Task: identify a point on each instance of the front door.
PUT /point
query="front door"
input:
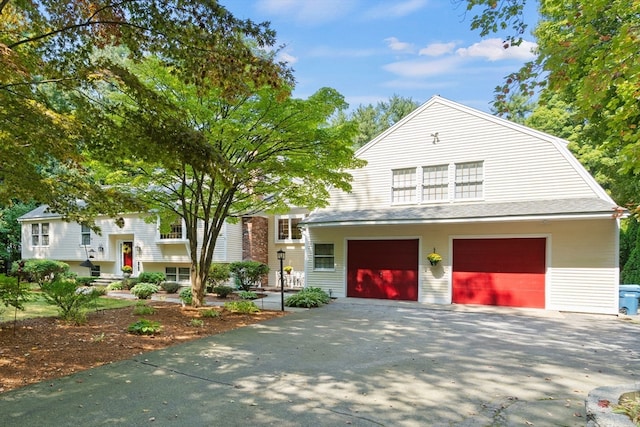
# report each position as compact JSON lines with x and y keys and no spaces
{"x":127,"y":254}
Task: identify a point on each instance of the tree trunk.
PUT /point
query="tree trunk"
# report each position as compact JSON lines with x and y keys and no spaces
{"x":197,"y":288}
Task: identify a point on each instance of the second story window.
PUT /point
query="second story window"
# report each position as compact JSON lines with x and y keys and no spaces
{"x":85,"y":235}
{"x":175,"y":232}
{"x":40,"y":234}
{"x":287,"y":228}
{"x":435,"y":183}
{"x":469,"y":180}
{"x":404,"y":186}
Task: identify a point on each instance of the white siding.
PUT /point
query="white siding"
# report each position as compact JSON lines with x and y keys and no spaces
{"x":582,"y":265}
{"x":519,"y":165}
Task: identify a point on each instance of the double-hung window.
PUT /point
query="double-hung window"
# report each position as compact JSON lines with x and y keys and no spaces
{"x":404,"y":185}
{"x":40,"y":234}
{"x":175,"y":232}
{"x":323,"y":256}
{"x":435,"y":183}
{"x":469,"y":180}
{"x":287,"y":228}
{"x":85,"y":235}
{"x":177,"y":274}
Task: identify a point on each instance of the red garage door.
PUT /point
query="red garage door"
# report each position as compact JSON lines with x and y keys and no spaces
{"x":384,"y":269}
{"x":507,"y":272}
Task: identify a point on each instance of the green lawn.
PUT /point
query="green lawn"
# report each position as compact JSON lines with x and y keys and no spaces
{"x":39,"y":308}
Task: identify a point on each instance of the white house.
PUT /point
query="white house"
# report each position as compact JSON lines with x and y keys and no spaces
{"x":140,"y":245}
{"x":516,"y":218}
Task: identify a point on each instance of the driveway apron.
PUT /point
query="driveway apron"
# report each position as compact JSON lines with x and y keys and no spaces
{"x":357,"y":363}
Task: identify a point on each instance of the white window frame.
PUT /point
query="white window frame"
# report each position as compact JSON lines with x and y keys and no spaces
{"x":179,"y":275}
{"x":183,"y":230}
{"x":438,"y":182}
{"x":464,"y":181}
{"x":324,"y":256}
{"x":290,"y":220}
{"x":404,"y":186}
{"x":85,"y":235}
{"x":40,"y":237}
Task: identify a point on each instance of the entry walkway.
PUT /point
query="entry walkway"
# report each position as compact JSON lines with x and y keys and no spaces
{"x":357,"y":364}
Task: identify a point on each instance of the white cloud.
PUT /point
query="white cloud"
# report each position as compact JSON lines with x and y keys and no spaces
{"x":398,"y":46}
{"x":307,"y":12}
{"x":493,"y":50}
{"x":437,"y":49}
{"x":287,"y":57}
{"x":421,"y":68}
{"x":394,"y":9}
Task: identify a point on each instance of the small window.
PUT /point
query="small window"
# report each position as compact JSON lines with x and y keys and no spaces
{"x":95,"y":271}
{"x":175,"y":231}
{"x":45,"y":234}
{"x":323,"y":258}
{"x":287,"y":228}
{"x":177,"y":274}
{"x":404,"y":185}
{"x":40,"y":234}
{"x":85,"y":235}
{"x":469,"y":180}
{"x":435,"y":183}
{"x":35,"y":234}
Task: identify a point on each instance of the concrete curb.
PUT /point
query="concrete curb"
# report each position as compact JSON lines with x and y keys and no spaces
{"x":599,"y":402}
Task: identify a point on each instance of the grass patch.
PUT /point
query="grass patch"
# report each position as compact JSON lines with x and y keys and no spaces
{"x":40,"y":308}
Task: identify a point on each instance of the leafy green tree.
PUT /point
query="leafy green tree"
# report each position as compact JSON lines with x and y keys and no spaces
{"x":372,"y":121}
{"x":587,"y":55}
{"x":11,"y":232}
{"x":247,"y":273}
{"x":187,"y":151}
{"x":47,"y":56}
{"x":14,"y":294}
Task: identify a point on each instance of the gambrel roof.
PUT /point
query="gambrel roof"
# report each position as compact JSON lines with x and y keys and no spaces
{"x":528,"y":174}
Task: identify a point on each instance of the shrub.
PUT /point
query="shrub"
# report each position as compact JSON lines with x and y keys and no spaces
{"x":71,"y":300}
{"x":114,"y":286}
{"x":142,"y":309}
{"x":100,"y":290}
{"x":197,"y":323}
{"x":170,"y":287}
{"x":244,"y":307}
{"x":85,"y":281}
{"x":222,"y":291}
{"x":186,"y":296}
{"x":155,"y":278}
{"x":40,"y":270}
{"x":14,"y":294}
{"x":210,"y":313}
{"x":248,"y":295}
{"x":308,"y":297}
{"x":144,"y":327}
{"x":219,"y":274}
{"x":247,"y":273}
{"x":144,"y":290}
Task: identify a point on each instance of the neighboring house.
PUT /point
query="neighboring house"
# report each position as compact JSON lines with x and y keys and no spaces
{"x":141,"y":246}
{"x":516,"y":218}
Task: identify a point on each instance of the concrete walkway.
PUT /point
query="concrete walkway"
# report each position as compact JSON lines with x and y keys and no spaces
{"x":357,"y":363}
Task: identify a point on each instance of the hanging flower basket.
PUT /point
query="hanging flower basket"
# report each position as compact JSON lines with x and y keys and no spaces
{"x":434,"y":258}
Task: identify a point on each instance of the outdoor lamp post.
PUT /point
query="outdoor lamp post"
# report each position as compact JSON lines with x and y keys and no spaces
{"x":281,"y":255}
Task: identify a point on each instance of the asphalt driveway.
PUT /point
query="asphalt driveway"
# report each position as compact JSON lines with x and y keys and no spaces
{"x":357,"y":363}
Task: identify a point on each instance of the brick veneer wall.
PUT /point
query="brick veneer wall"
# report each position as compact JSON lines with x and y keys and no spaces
{"x":255,"y":241}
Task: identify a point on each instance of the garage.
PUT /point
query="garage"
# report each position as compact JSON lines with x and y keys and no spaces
{"x":383,"y":269}
{"x":505,"y":272}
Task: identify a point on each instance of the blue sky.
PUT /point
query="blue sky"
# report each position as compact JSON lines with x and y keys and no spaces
{"x":370,"y":50}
